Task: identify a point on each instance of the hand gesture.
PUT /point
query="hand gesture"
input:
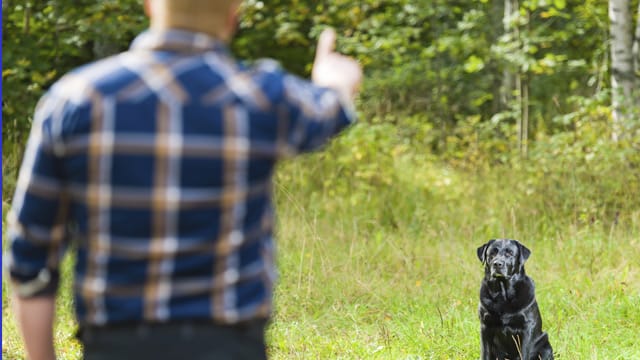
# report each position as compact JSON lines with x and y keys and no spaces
{"x":334,"y":70}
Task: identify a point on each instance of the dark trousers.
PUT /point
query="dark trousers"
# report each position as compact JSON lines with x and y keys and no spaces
{"x":193,"y":341}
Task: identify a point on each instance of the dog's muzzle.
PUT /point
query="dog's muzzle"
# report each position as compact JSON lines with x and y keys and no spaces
{"x":498,"y":269}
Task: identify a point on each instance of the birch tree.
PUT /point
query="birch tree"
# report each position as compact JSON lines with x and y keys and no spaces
{"x":623,"y":77}
{"x":515,"y":86}
{"x":636,"y":49}
{"x":509,"y":77}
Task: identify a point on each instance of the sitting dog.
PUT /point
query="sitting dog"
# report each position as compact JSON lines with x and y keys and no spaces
{"x":511,"y":326}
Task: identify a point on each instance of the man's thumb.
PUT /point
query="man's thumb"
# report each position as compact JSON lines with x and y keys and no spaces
{"x":326,"y":43}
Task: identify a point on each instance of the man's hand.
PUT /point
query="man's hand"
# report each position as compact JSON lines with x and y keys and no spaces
{"x":333,"y":70}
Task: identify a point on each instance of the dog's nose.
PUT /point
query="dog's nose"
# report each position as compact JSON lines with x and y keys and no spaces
{"x":498,"y":264}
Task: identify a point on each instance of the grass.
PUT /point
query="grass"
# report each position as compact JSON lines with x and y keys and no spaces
{"x":354,"y":293}
{"x":393,"y":273}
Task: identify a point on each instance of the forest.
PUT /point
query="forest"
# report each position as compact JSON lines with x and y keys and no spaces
{"x":477,"y":119}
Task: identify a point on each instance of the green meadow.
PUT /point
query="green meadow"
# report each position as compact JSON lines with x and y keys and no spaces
{"x":374,"y":270}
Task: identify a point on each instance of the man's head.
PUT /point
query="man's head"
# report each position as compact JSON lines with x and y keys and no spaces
{"x":217,"y":18}
{"x":503,"y":258}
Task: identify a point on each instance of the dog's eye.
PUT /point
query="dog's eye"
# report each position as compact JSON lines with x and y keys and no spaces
{"x":493,"y":251}
{"x":509,"y":252}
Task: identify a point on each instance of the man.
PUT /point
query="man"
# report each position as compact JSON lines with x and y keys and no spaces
{"x":160,"y":159}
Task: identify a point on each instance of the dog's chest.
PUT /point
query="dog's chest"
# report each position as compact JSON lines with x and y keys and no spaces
{"x":512,"y":323}
{"x":507,"y":322}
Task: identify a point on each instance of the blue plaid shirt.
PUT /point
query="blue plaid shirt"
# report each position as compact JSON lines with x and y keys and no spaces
{"x":158,"y":163}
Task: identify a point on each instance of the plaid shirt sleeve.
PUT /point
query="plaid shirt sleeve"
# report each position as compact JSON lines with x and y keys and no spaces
{"x":311,"y":115}
{"x":37,"y":221}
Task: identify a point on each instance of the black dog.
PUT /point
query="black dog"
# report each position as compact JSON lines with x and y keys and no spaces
{"x":511,"y":326}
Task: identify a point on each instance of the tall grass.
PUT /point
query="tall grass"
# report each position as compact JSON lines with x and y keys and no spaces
{"x":383,"y":265}
{"x":353,"y":287}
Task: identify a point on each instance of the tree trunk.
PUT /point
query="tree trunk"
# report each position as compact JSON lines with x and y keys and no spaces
{"x":27,"y":18}
{"x":524,"y":99}
{"x":622,"y":73}
{"x":495,"y":13}
{"x":508,"y":77}
{"x":636,"y":50}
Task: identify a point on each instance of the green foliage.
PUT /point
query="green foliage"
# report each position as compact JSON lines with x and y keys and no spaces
{"x":432,"y":91}
{"x":42,"y":40}
{"x":439,"y":61}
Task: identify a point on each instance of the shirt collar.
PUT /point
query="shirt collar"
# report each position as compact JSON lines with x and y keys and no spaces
{"x":177,"y":40}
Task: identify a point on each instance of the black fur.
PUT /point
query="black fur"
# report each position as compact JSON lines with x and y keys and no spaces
{"x":511,"y":326}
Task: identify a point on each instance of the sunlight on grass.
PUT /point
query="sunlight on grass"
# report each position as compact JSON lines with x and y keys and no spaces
{"x":356,"y":285}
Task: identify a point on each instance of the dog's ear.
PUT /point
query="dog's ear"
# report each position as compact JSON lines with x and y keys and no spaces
{"x":524,"y":253}
{"x":482,"y":251}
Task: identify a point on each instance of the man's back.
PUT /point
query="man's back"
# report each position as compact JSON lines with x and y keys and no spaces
{"x":165,"y":155}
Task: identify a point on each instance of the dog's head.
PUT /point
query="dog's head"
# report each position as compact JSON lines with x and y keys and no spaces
{"x":503,"y":258}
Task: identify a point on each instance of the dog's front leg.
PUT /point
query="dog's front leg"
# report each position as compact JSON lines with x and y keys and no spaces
{"x":526,"y":348}
{"x":486,"y":352}
{"x":542,"y":348}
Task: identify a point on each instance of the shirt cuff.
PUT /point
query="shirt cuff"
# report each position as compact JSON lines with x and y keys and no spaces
{"x":349,"y":109}
{"x":44,"y":283}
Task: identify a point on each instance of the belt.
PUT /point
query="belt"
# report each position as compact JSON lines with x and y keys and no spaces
{"x":185,"y":327}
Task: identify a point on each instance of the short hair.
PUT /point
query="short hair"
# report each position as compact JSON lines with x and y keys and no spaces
{"x":186,"y":6}
{"x":184,"y":12}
